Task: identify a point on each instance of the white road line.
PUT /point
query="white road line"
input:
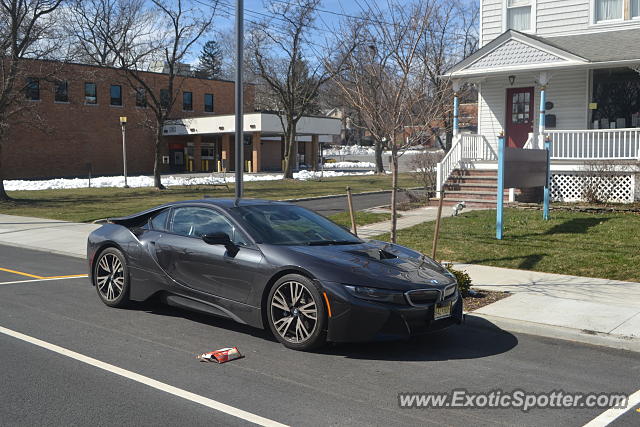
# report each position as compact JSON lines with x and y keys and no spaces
{"x":608,"y":416}
{"x":42,"y":280}
{"x":218,"y":406}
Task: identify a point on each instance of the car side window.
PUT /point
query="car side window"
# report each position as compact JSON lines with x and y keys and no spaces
{"x":159,"y":221}
{"x":192,"y":221}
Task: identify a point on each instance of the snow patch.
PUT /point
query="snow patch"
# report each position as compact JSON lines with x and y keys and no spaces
{"x":169,"y":181}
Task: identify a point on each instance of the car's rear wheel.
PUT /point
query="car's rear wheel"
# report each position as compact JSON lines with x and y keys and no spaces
{"x":296,"y":313}
{"x":111,"y":278}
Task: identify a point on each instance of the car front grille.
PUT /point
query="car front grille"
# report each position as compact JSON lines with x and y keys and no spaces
{"x":423,"y":296}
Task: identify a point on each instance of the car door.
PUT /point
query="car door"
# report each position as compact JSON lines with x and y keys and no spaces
{"x":213,"y":269}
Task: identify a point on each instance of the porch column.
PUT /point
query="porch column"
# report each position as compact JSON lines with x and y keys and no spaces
{"x":197,"y":153}
{"x":226,"y":154}
{"x":314,"y":152}
{"x":456,"y":107}
{"x":256,"y":158}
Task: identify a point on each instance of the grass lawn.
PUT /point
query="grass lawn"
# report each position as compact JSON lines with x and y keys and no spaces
{"x":604,"y":245}
{"x":362,"y":218}
{"x":88,"y":204}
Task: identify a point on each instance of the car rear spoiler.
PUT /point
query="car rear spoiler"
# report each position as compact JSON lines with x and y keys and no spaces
{"x":134,"y":220}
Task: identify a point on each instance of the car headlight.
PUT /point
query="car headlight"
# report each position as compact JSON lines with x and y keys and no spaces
{"x":376,"y":294}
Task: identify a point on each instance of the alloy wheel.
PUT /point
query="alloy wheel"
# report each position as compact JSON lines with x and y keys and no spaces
{"x":294,"y":312}
{"x":110,"y":277}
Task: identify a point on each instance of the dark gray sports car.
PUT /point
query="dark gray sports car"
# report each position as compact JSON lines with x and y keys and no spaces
{"x":274,"y":264}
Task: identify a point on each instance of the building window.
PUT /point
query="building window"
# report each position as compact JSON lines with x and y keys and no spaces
{"x":208,"y":103}
{"x":635,"y":8}
{"x":165,"y":98}
{"x":32,"y":89}
{"x":90,"y":94}
{"x":609,"y":10}
{"x":519,"y":15}
{"x":187,"y":101}
{"x":62,"y":91}
{"x":141,"y":97}
{"x":116,"y":95}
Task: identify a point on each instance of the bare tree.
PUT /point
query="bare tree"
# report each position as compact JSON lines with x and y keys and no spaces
{"x":387,"y":80}
{"x":179,"y":28}
{"x":291,"y":77}
{"x":99,"y":29}
{"x":25,"y":32}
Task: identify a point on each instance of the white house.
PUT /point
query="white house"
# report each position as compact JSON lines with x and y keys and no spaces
{"x":583,"y":58}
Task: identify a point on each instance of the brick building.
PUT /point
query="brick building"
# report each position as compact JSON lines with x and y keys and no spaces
{"x":71,"y":126}
{"x":71,"y":121}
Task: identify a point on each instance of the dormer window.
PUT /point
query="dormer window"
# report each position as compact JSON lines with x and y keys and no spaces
{"x":609,"y":10}
{"x":519,"y":15}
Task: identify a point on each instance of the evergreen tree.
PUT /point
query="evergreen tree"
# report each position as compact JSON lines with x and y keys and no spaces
{"x":210,"y":60}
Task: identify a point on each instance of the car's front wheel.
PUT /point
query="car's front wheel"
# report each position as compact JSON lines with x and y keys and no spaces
{"x":111,"y":278}
{"x":297,"y":316}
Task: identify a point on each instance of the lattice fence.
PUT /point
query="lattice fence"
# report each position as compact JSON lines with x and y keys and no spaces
{"x":568,"y":187}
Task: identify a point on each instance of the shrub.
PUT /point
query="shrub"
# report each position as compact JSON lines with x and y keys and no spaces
{"x":464,"y":280}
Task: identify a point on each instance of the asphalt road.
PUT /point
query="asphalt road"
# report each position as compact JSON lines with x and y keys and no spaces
{"x":334,"y":205}
{"x":342,"y":384}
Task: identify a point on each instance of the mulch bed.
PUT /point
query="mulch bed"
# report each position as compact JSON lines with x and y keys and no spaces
{"x":483,"y":298}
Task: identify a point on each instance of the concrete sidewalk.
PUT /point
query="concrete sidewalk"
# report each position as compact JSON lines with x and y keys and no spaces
{"x":407,"y":219}
{"x":587,"y":306}
{"x":597,"y":311}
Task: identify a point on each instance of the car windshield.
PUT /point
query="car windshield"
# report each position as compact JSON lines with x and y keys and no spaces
{"x":292,"y":225}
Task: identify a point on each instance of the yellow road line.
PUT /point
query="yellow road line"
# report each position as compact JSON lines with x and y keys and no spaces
{"x":21,"y":273}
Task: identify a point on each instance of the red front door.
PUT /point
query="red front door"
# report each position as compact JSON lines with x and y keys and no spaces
{"x":519,"y":116}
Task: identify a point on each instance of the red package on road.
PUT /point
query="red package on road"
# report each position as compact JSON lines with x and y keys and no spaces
{"x":221,"y":356}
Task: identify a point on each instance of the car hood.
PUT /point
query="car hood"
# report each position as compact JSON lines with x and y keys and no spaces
{"x":372,"y":263}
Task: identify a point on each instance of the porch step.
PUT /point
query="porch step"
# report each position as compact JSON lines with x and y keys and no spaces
{"x":474,"y":195}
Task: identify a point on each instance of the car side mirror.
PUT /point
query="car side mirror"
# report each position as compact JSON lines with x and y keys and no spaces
{"x":217,"y":239}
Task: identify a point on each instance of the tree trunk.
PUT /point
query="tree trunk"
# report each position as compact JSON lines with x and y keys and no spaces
{"x":157,"y":182}
{"x":378,"y":155}
{"x":290,"y":151}
{"x":394,"y":191}
{"x":3,"y":194}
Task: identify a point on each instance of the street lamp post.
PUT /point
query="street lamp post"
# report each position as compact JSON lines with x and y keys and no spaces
{"x":239,"y":98}
{"x":123,"y":124}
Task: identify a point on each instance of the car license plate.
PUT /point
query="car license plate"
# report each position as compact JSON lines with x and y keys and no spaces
{"x":441,"y":311}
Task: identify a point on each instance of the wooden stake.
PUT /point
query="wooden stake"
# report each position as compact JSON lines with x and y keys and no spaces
{"x":436,"y":232}
{"x":353,"y":218}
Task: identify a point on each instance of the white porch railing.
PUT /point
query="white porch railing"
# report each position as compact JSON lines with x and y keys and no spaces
{"x":465,"y":148}
{"x":603,"y":144}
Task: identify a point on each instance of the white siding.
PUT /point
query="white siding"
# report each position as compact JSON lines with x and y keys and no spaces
{"x":567,"y":90}
{"x":491,"y":20}
{"x":562,"y":16}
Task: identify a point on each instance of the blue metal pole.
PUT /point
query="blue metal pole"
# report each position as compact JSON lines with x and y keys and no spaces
{"x":500,"y":195}
{"x":456,"y":111}
{"x":547,"y":188}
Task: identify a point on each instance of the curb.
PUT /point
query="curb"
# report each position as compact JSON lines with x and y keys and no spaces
{"x":551,"y":331}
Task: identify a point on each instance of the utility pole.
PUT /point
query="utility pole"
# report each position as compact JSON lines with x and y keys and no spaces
{"x":123,"y":124}
{"x":239,"y":157}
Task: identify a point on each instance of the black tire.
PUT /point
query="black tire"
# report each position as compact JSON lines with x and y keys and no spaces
{"x":109,"y":289}
{"x":300,"y":313}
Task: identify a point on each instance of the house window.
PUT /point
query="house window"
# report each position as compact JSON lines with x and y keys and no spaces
{"x":90,"y":94}
{"x":519,"y":15}
{"x":62,"y":91}
{"x":609,"y":10}
{"x":187,"y":101}
{"x":165,"y":98}
{"x":208,"y":103}
{"x":635,"y":8}
{"x":32,"y":89}
{"x":116,"y":94}
{"x":141,"y":97}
